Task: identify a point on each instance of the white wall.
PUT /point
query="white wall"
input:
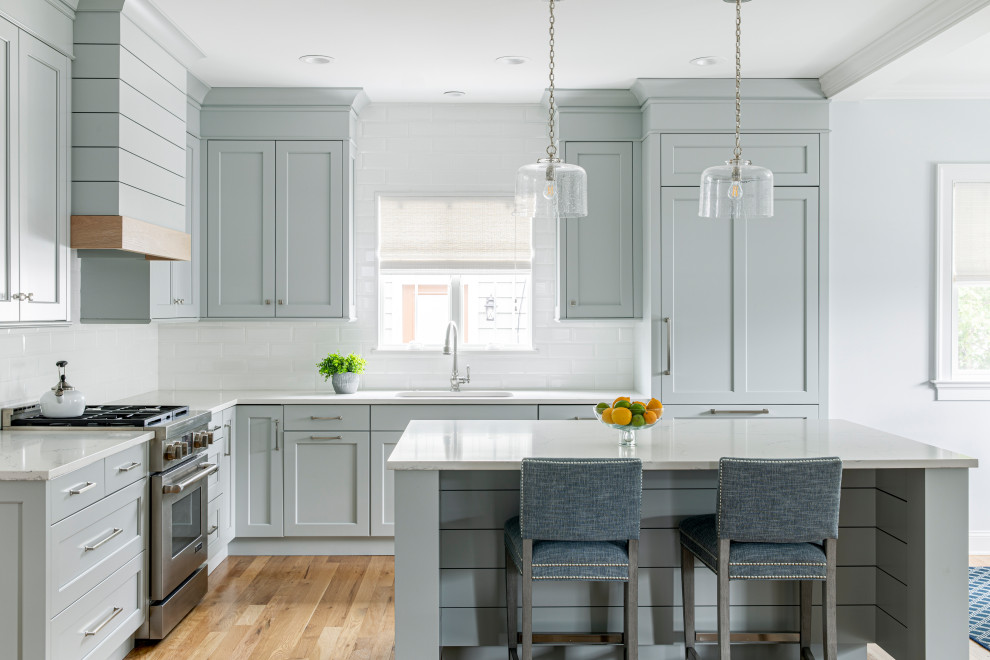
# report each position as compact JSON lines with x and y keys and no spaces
{"x":414,"y":148}
{"x":882,"y":282}
{"x":106,"y":362}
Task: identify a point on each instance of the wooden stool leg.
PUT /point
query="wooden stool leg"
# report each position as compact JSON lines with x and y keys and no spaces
{"x":631,"y":609}
{"x":806,"y":592}
{"x":511,"y":599}
{"x":687,"y":601}
{"x":527,"y":600}
{"x":724,"y":639}
{"x":830,"y":640}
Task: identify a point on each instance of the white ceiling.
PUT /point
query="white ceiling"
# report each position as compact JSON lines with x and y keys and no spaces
{"x":413,"y":50}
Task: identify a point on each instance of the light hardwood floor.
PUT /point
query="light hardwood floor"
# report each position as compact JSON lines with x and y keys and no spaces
{"x":327,"y":608}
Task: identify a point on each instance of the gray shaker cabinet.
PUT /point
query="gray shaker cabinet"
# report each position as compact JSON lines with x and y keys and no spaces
{"x":240,"y":260}
{"x":34,"y":89}
{"x":258,"y":469}
{"x":739,"y":303}
{"x":597,"y":264}
{"x":278,"y":229}
{"x":326,"y":483}
{"x":175,"y":284}
{"x":383,"y":483}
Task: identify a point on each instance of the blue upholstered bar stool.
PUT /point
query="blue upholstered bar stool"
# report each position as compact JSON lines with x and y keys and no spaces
{"x":578,"y":520}
{"x":777,"y":519}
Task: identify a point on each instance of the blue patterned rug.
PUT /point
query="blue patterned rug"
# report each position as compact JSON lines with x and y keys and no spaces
{"x":979,"y":605}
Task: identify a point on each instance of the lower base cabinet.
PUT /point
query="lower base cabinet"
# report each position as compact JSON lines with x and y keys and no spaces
{"x":382,"y":483}
{"x":326,"y":483}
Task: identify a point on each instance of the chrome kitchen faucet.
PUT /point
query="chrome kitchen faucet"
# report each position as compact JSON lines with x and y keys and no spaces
{"x":455,"y":379}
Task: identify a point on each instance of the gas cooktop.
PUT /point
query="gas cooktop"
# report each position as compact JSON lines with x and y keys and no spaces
{"x":132,"y":416}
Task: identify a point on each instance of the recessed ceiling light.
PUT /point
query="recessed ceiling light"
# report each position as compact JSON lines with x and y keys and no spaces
{"x":316,"y":59}
{"x":453,"y":93}
{"x":512,"y":60}
{"x":709,"y":60}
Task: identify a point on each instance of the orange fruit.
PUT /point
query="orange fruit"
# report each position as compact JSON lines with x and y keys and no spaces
{"x":650,"y":416}
{"x":621,"y":416}
{"x":654,"y":404}
{"x":607,"y":415}
{"x":621,"y":398}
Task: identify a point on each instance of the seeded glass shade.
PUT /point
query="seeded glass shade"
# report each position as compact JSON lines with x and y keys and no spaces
{"x":564,"y":195}
{"x":733,"y":191}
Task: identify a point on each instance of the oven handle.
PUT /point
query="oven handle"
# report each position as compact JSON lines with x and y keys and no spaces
{"x":205,"y":470}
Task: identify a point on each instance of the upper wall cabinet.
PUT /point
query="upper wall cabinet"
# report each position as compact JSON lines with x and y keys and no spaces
{"x":278,"y":229}
{"x":33,"y":132}
{"x":793,"y":158}
{"x":599,"y":255}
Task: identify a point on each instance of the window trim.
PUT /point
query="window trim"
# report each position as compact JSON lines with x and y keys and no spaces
{"x":948,"y":385}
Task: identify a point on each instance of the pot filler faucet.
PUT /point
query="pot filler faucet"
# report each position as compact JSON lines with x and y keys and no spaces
{"x":450,"y":348}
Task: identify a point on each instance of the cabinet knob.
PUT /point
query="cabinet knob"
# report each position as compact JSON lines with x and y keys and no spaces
{"x":268,"y":301}
{"x":280,"y":302}
{"x":573,"y":303}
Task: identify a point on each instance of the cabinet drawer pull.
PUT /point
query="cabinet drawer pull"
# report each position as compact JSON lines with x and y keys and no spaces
{"x":763,"y":411}
{"x":276,"y":434}
{"x":670,"y":348}
{"x":216,"y":428}
{"x":584,"y":419}
{"x":326,"y":419}
{"x":127,"y":468}
{"x":226,"y":437}
{"x":325,"y":437}
{"x":97,"y":629}
{"x":212,"y":529}
{"x":78,"y":491}
{"x":114,"y":534}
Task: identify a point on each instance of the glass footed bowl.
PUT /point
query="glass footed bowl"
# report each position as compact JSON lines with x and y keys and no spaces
{"x":628,"y":436}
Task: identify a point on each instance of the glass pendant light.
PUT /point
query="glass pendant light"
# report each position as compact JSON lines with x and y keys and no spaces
{"x":550,"y":188}
{"x":738,"y":188}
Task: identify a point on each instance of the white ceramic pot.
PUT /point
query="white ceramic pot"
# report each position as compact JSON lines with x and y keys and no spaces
{"x":346,"y":383}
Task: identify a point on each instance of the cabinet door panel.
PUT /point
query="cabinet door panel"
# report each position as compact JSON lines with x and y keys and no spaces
{"x":326,"y":483}
{"x":382,"y":483}
{"x":241,"y":232}
{"x":9,"y":263}
{"x":782,"y":298}
{"x":697,"y":297}
{"x":259,"y":471}
{"x":309,"y":225}
{"x":597,"y":278}
{"x":43,"y":132}
{"x":184,"y":274}
{"x":227,"y":463}
{"x":794,"y":159}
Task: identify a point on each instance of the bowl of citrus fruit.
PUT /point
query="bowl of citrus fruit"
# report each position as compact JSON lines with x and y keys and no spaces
{"x":629,"y":416}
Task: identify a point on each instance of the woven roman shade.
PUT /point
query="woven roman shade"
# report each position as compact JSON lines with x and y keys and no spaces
{"x":452,"y":233}
{"x":971,"y":231}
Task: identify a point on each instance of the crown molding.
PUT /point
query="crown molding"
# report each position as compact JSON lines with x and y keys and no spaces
{"x":648,"y":90}
{"x":936,"y":30}
{"x":948,"y":92}
{"x":352,"y":98}
{"x":153,"y":22}
{"x":196,"y":89}
{"x":593,"y":98}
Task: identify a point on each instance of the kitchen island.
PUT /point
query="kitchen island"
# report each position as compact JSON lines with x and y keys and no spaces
{"x":902,"y":578}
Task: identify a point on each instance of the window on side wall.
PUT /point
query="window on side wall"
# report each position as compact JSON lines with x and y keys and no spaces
{"x":963,"y":325}
{"x":465,"y":259}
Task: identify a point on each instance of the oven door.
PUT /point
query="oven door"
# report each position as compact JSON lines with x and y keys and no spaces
{"x":179,"y":500}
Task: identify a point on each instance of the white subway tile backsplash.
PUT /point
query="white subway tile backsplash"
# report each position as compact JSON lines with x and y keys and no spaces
{"x":412,"y":148}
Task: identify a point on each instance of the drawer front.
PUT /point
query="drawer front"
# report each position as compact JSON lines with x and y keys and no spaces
{"x":396,"y":417}
{"x":102,"y":619}
{"x":216,"y":480}
{"x":90,"y":545}
{"x":327,"y":418}
{"x":793,"y":158}
{"x":737,"y":411}
{"x":77,"y":490}
{"x":126,"y":467}
{"x":571,"y":411}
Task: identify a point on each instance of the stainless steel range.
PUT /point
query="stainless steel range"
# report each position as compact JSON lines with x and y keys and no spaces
{"x":179,"y":497}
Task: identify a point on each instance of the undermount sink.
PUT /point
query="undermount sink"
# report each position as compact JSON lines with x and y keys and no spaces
{"x":443,"y":394}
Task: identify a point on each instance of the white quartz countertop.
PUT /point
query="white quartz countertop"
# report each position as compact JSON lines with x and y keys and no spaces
{"x":38,"y":455}
{"x":674,"y":444}
{"x":217,"y":400}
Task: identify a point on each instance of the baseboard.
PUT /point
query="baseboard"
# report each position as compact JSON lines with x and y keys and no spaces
{"x":312,"y":546}
{"x":979,"y":543}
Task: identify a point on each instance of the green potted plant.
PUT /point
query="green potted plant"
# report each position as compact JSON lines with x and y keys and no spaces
{"x":343,"y":371}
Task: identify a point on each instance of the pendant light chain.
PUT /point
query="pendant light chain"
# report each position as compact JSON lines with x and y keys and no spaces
{"x":552,"y":148}
{"x":737,"y":152}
